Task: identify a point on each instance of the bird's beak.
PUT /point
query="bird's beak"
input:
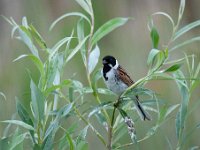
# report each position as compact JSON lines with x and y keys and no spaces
{"x":104,"y":62}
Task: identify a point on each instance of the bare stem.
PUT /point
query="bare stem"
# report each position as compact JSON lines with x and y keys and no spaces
{"x":110,"y":129}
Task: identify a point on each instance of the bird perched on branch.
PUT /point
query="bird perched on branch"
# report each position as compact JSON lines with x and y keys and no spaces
{"x":117,"y":80}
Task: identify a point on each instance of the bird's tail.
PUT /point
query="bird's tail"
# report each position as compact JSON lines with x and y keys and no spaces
{"x":142,"y":113}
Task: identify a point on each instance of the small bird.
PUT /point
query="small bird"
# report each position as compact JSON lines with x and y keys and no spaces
{"x":117,"y":80}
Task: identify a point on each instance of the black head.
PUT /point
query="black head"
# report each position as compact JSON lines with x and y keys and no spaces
{"x":109,"y":60}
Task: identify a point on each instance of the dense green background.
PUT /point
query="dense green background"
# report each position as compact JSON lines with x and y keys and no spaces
{"x":130,"y":44}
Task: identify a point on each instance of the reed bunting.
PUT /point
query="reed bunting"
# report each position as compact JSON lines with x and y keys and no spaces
{"x":117,"y":80}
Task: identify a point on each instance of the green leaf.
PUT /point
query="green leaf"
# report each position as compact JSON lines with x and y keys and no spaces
{"x":167,"y":16}
{"x":57,"y":46}
{"x":80,"y":33}
{"x":76,"y":49}
{"x":85,"y":6}
{"x":95,"y":77}
{"x":173,"y":68}
{"x":160,"y":58}
{"x":59,"y":86}
{"x":38,"y":100}
{"x":152,"y":56}
{"x":7,"y":19}
{"x":70,"y":141}
{"x":36,"y":61}
{"x":171,"y":109}
{"x":181,"y":9}
{"x":123,"y":113}
{"x":13,"y":142}
{"x":82,"y":146}
{"x":82,"y":136}
{"x":105,"y":91}
{"x":64,"y":111}
{"x":52,"y":67}
{"x":25,"y":22}
{"x":19,"y":123}
{"x":25,"y":36}
{"x":107,"y":28}
{"x":3,"y":95}
{"x":98,"y":108}
{"x":22,"y":112}
{"x":185,"y":43}
{"x":186,"y":29}
{"x":24,"y":115}
{"x":67,"y":15}
{"x":181,"y":115}
{"x":101,"y":119}
{"x":154,"y":37}
{"x":38,"y":38}
{"x":93,"y":59}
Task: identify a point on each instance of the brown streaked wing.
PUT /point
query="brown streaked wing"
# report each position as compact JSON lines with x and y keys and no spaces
{"x":124,"y":76}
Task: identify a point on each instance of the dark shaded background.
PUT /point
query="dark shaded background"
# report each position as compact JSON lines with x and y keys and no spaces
{"x":130,"y":44}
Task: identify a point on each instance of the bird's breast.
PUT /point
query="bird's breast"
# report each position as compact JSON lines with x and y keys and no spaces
{"x":114,"y":83}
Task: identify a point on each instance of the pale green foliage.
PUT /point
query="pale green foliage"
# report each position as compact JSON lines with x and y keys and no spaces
{"x":42,"y":117}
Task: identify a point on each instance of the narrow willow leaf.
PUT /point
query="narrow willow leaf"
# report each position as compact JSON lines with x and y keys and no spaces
{"x":181,"y":115}
{"x":152,"y":56}
{"x":80,"y":33}
{"x":93,"y":59}
{"x":52,"y":128}
{"x":14,"y":29}
{"x":25,"y":36}
{"x":36,"y":61}
{"x":19,"y":123}
{"x":171,"y":109}
{"x":160,"y":58}
{"x":7,"y":19}
{"x":197,"y":70}
{"x":56,"y":47}
{"x":167,"y":16}
{"x":185,"y":43}
{"x":3,"y":95}
{"x":181,"y":9}
{"x":173,"y":68}
{"x":22,"y":112}
{"x":13,"y":142}
{"x":107,"y":28}
{"x":70,"y":141}
{"x":25,"y":22}
{"x":105,"y":91}
{"x":67,"y":15}
{"x":51,"y":69}
{"x":64,"y":111}
{"x":186,"y":29}
{"x":101,"y":106}
{"x":178,"y":125}
{"x":38,"y":100}
{"x":85,"y":6}
{"x":76,"y":49}
{"x":55,"y":87}
{"x":101,"y":119}
{"x":17,"y":140}
{"x":123,"y":113}
{"x":82,"y":136}
{"x":154,"y":37}
{"x":83,"y":145}
{"x":152,"y":131}
{"x":37,"y":37}
{"x":95,"y":77}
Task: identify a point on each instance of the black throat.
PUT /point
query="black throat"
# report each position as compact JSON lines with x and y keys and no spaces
{"x":106,"y":68}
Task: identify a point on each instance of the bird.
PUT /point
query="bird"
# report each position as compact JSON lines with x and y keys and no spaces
{"x":117,"y":80}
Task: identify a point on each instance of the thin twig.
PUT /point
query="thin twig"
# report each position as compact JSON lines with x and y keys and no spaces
{"x":110,"y":129}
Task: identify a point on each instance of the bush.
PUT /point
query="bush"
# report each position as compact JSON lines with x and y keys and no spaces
{"x":54,"y":99}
